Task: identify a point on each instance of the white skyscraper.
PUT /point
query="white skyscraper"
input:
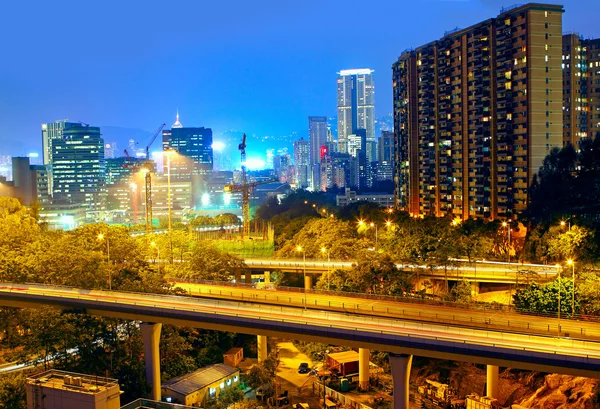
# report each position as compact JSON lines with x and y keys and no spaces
{"x":356,"y":108}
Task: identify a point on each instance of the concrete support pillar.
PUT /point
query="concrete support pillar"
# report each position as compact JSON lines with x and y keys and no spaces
{"x":491,"y":389}
{"x":474,"y":289}
{"x":401,"y":364}
{"x":307,"y":282}
{"x":267,"y":277}
{"x":363,"y":369}
{"x":151,"y":338}
{"x":248,"y":276}
{"x":262,"y":348}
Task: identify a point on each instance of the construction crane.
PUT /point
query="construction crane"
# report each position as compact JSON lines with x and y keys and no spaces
{"x":148,"y":168}
{"x":245,"y":188}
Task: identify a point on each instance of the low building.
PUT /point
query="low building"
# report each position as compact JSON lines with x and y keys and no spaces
{"x":63,"y":216}
{"x":198,"y":387}
{"x":345,"y":363}
{"x":57,"y":389}
{"x":233,"y":357}
{"x":382,"y":199}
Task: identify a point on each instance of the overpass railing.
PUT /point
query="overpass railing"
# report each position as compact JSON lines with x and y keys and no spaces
{"x":510,"y":319}
{"x":381,"y":330}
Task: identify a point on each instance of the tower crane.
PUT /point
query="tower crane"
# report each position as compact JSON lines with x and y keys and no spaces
{"x":148,"y":168}
{"x":245,"y":188}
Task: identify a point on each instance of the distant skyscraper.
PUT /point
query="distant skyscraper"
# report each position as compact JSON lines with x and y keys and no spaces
{"x":386,"y":147}
{"x":194,"y":146}
{"x":301,"y":163}
{"x":317,"y":137}
{"x":270,"y":156}
{"x":356,"y":108}
{"x":74,"y":153}
{"x":110,"y":149}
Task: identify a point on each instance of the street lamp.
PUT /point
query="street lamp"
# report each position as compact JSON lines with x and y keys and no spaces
{"x":558,"y":269}
{"x":323,"y":251}
{"x":507,"y":225}
{"x":101,"y":237}
{"x":572,"y":264}
{"x":299,"y":248}
{"x":374,"y":225}
{"x":153,"y":244}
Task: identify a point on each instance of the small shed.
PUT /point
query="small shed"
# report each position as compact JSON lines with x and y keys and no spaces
{"x":233,"y":357}
{"x":201,"y":385}
{"x":346,"y":362}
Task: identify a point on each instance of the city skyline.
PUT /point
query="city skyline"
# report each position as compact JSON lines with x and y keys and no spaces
{"x":104,"y":86}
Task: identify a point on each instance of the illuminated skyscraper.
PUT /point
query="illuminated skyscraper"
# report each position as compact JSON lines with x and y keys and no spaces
{"x":74,"y":154}
{"x":194,"y":146}
{"x":356,"y":108}
{"x":317,"y":137}
{"x":301,"y":163}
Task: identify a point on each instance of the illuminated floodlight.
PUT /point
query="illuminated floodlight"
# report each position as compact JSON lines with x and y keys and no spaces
{"x":227,"y":199}
{"x":254,"y":164}
{"x":33,"y":155}
{"x":218,"y":146}
{"x":205,"y":199}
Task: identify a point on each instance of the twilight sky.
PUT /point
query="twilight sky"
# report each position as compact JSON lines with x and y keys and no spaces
{"x":256,"y":66}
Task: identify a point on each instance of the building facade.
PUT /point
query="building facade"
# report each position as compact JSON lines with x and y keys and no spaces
{"x":317,"y":137}
{"x":581,"y":88}
{"x":75,"y":164}
{"x":476,"y":112}
{"x":302,"y":163}
{"x":193,"y":147}
{"x":356,"y":108}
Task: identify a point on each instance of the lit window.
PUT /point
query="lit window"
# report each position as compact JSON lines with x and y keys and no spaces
{"x":546,"y":47}
{"x":545,"y":14}
{"x":222,"y":385}
{"x":546,"y":58}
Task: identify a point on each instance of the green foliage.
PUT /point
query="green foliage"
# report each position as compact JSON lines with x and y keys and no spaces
{"x":461,"y":292}
{"x":375,"y":274}
{"x":12,"y":391}
{"x":206,"y":262}
{"x":544,"y":298}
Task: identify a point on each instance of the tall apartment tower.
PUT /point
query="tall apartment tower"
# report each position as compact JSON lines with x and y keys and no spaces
{"x":356,"y":108}
{"x":476,"y":112}
{"x":301,"y":163}
{"x":74,"y":155}
{"x":581,"y":92}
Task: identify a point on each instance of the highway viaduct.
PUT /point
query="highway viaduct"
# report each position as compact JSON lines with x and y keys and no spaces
{"x":475,"y":272}
{"x":403,"y":338}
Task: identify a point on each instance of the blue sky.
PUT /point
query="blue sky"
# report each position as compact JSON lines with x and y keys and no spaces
{"x":258,"y":66}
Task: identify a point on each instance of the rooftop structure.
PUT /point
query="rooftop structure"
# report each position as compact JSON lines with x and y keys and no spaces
{"x":67,"y":390}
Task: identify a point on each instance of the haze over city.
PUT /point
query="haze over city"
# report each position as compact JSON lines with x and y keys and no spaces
{"x":255,"y":67}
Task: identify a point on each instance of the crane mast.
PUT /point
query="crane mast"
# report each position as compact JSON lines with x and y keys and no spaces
{"x":148,"y":168}
{"x":245,"y":188}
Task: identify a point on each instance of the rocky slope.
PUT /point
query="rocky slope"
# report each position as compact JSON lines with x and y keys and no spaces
{"x":563,"y":392}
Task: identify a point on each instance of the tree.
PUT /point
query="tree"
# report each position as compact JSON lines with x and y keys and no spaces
{"x":206,"y":262}
{"x":12,"y":391}
{"x":544,"y":298}
{"x":569,"y":244}
{"x":461,"y":292}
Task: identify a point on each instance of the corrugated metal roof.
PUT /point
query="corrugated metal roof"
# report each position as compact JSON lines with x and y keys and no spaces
{"x":192,"y":382}
{"x":344,"y":357}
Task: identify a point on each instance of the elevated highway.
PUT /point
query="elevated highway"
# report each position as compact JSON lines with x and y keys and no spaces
{"x":479,"y":271}
{"x":395,"y":334}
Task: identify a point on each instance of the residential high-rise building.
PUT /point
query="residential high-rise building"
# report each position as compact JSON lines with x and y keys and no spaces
{"x":384,"y":168}
{"x":476,"y":112}
{"x":301,"y":163}
{"x":193,"y":147}
{"x":581,"y":93}
{"x":110,"y":150}
{"x":74,"y":154}
{"x":356,"y":108}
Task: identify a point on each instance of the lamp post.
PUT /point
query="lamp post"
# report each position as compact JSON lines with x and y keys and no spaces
{"x":323,"y":251}
{"x":558,"y":269}
{"x":101,"y":237}
{"x":572,"y":264}
{"x":299,"y":248}
{"x":507,"y":225}
{"x":153,"y":244}
{"x":374,"y":225}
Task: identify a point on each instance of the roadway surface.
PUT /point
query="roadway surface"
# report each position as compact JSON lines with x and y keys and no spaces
{"x":487,"y":272}
{"x":429,"y":339}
